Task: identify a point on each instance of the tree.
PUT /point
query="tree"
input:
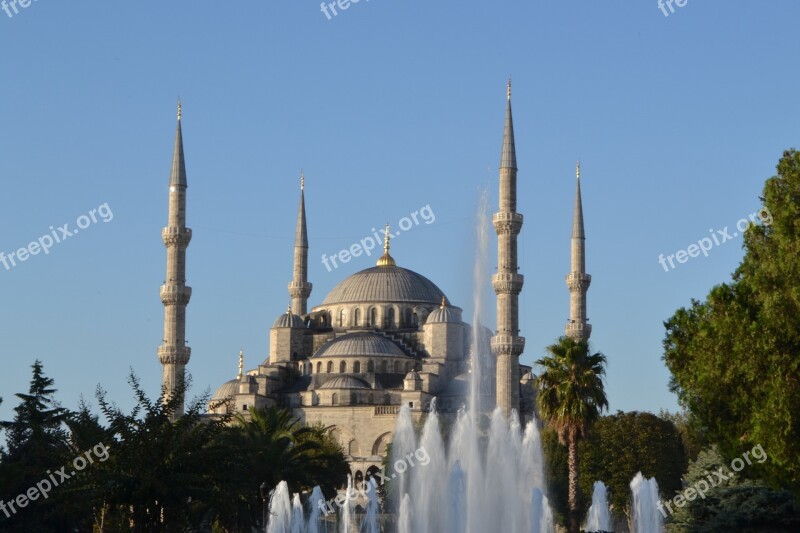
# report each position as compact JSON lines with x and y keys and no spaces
{"x":620,"y":445}
{"x":36,"y":442}
{"x":737,"y":505}
{"x":570,"y":399}
{"x":734,"y":357}
{"x":270,"y":446}
{"x":159,"y":473}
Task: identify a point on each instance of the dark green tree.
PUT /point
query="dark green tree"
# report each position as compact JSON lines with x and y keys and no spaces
{"x":269,"y":446}
{"x":734,"y":357}
{"x":36,"y":442}
{"x":620,"y":445}
{"x":570,"y":399}
{"x":737,"y":504}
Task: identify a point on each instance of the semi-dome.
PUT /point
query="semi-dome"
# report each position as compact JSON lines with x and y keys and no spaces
{"x":345,"y":382}
{"x":229,"y":389}
{"x":288,"y":320}
{"x":361,"y":344}
{"x":444,"y":314}
{"x":387,"y":283}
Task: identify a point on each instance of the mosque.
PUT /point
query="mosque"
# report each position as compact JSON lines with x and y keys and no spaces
{"x":382,"y":338}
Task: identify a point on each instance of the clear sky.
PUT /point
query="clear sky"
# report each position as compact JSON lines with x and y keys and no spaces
{"x":388,"y":107}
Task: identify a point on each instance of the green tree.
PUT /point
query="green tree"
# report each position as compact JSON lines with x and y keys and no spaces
{"x":737,"y":504}
{"x":159,"y":473}
{"x":620,"y":445}
{"x":570,"y":399}
{"x":36,"y":442}
{"x":734,"y":357}
{"x":269,"y":446}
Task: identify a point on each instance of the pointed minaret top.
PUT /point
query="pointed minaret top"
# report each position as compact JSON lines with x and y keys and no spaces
{"x":577,"y":216}
{"x":508,"y":159}
{"x":386,"y":259}
{"x":177,"y":176}
{"x":301,"y":233}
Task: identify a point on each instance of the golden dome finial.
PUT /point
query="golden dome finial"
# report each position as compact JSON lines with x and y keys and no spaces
{"x":578,"y":169}
{"x":386,"y":259}
{"x":179,"y":108}
{"x":241,"y":364}
{"x":444,"y":302}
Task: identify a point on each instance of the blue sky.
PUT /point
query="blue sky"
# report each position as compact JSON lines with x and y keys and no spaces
{"x":387,"y":107}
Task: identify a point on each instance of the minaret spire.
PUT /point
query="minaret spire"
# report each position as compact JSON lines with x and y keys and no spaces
{"x":578,"y":280}
{"x":173,"y":352}
{"x":299,"y":287}
{"x":506,"y":344}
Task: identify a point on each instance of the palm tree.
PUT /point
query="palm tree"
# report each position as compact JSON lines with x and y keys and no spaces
{"x":570,"y":397}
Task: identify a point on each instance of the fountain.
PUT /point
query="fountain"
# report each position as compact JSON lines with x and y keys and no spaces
{"x":477,"y":482}
{"x":646,"y":518}
{"x":598,"y":518}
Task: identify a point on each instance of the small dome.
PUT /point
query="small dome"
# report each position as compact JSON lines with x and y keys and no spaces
{"x":345,"y":382}
{"x":413,"y":375}
{"x":289,"y":320}
{"x":361,"y":344}
{"x":229,"y":389}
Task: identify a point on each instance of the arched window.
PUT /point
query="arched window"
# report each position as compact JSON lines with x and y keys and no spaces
{"x":357,"y":367}
{"x":330,"y":367}
{"x":319,"y":368}
{"x":414,"y":318}
{"x":370,"y":366}
{"x":407,"y":316}
{"x":387,"y":399}
{"x":356,"y":317}
{"x":373,"y":317}
{"x":383,"y":367}
{"x":353,"y":398}
{"x":408,"y":368}
{"x":334,"y":399}
{"x":370,"y":399}
{"x":342,"y":367}
{"x":310,"y":368}
{"x":342,"y":318}
{"x":397,"y":367}
{"x":390,"y":318}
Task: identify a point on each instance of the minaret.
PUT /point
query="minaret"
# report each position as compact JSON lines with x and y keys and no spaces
{"x":173,"y":353}
{"x":506,"y":344}
{"x":578,"y":280}
{"x":299,"y":287}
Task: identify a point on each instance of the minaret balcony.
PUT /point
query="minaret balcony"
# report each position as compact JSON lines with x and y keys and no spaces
{"x":507,"y":223}
{"x":578,"y":281}
{"x":579,"y":330}
{"x":173,"y":354}
{"x":507,"y":345}
{"x":176,"y":235}
{"x":299,"y":289}
{"x":507,"y":283}
{"x":175,"y":294}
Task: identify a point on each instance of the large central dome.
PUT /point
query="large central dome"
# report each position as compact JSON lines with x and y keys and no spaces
{"x":389,"y":283}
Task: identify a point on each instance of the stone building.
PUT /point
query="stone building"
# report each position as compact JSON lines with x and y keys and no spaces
{"x":382,"y":338}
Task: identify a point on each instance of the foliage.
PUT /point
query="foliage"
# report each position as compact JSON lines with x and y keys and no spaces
{"x":570,"y":397}
{"x":734,"y":357}
{"x":737,"y":504}
{"x":623,"y":444}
